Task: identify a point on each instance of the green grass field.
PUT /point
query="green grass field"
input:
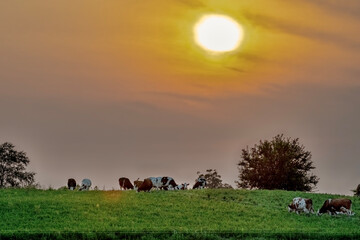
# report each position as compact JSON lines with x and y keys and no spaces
{"x":191,"y":214}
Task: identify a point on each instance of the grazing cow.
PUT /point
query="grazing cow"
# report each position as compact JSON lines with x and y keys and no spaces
{"x":137,"y":183}
{"x":85,"y":184}
{"x":299,"y":204}
{"x":145,"y":186}
{"x":166,"y":183}
{"x":336,"y":206}
{"x":125,"y":184}
{"x":182,"y":186}
{"x":200,"y":183}
{"x":71,"y":184}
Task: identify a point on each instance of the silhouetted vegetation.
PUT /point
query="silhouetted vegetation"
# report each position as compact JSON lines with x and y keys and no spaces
{"x":357,"y":191}
{"x":281,"y":163}
{"x":12,"y":167}
{"x":213,"y":179}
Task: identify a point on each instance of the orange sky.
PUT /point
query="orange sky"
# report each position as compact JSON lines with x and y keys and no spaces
{"x":126,"y":77}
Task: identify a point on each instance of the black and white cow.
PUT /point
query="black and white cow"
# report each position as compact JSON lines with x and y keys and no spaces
{"x":299,"y":204}
{"x":125,"y":183}
{"x":165,"y":183}
{"x":85,"y":184}
{"x":200,"y":183}
{"x":71,"y":184}
{"x":182,"y":186}
{"x":336,"y":206}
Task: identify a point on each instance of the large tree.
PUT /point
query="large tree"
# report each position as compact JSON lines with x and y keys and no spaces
{"x":281,"y":163}
{"x":12,"y":167}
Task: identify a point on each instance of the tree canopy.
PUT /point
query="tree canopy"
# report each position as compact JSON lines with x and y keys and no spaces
{"x":281,"y":163}
{"x":12,"y":167}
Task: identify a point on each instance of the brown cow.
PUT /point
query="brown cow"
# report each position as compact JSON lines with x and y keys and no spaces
{"x":137,"y":183}
{"x":71,"y":183}
{"x":336,"y":206}
{"x":125,"y":184}
{"x":145,"y":186}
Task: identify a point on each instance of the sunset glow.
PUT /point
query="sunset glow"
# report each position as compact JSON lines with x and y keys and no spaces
{"x":218,"y":33}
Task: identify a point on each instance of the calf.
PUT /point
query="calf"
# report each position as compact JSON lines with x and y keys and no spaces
{"x":182,"y":186}
{"x":299,"y":204}
{"x":125,"y":184}
{"x":165,"y":183}
{"x":137,"y":183}
{"x":200,"y":183}
{"x":85,"y":184}
{"x":336,"y":206}
{"x":71,"y":183}
{"x":145,"y":186}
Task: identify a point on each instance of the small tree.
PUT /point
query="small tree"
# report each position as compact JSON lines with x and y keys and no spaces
{"x":213,"y":179}
{"x":281,"y":163}
{"x":12,"y":167}
{"x":357,"y":191}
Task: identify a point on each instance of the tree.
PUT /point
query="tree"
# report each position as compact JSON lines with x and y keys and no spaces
{"x":213,"y":179}
{"x":357,"y":191}
{"x":281,"y":163}
{"x":12,"y":167}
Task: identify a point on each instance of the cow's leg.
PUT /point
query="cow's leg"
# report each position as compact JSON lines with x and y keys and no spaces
{"x":312,"y":210}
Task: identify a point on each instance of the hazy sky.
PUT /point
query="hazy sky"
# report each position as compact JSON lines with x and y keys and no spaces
{"x":105,"y":89}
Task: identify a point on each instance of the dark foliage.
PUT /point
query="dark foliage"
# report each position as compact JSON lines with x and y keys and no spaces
{"x":281,"y":163}
{"x":357,"y":191}
{"x":213,"y":179}
{"x":12,"y":167}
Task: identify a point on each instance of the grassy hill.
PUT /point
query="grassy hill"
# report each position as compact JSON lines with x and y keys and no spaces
{"x":191,"y":214}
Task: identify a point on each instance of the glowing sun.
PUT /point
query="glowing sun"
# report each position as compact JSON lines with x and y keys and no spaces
{"x":218,"y":33}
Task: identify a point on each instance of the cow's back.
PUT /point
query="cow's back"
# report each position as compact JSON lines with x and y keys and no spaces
{"x":146,"y":185}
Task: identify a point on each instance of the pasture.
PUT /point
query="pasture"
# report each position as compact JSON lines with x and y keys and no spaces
{"x":191,"y":214}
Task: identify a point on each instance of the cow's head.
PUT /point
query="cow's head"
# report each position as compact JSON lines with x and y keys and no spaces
{"x":325,"y":207}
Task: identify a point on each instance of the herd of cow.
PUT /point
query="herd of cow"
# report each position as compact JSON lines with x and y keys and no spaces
{"x":160,"y":183}
{"x":298,"y":205}
{"x":330,"y":206}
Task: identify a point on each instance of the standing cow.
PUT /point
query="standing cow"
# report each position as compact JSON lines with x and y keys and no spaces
{"x":71,"y":184}
{"x":200,"y":183}
{"x":336,"y":206}
{"x":85,"y":184}
{"x":146,"y":185}
{"x":299,"y":204}
{"x":125,"y":184}
{"x":165,"y":183}
{"x":137,"y":184}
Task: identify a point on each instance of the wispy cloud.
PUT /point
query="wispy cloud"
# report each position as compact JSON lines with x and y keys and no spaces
{"x":277,"y":24}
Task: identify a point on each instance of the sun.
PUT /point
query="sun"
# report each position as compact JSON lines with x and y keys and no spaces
{"x":218,"y":33}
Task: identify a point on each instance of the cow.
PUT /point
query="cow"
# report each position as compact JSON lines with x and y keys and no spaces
{"x":200,"y":183}
{"x":336,"y":206}
{"x":125,"y":183}
{"x":71,"y":184}
{"x":85,"y":184}
{"x":137,"y":183}
{"x":146,"y":185}
{"x":165,"y":183}
{"x":299,"y":204}
{"x":182,"y":186}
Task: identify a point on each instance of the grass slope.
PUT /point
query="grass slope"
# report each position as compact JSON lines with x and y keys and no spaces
{"x":192,"y":214}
